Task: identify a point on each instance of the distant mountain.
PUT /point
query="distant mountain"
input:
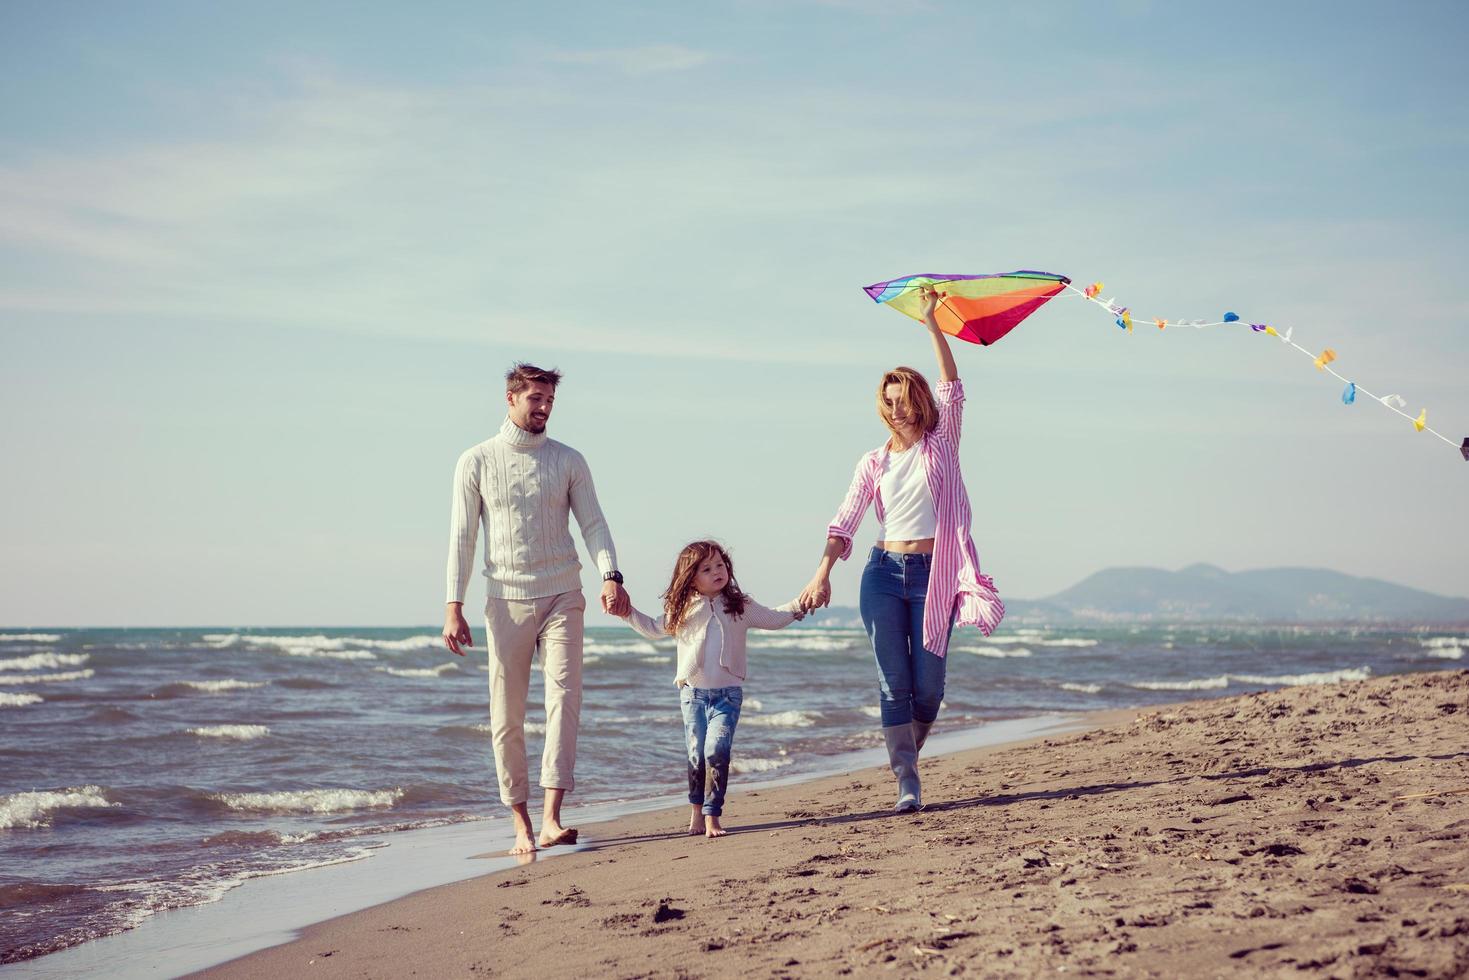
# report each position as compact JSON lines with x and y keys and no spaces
{"x":1210,"y":594}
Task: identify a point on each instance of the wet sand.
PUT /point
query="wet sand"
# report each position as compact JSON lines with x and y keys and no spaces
{"x":1307,"y":832}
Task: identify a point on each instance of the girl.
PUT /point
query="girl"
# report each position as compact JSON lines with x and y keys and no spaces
{"x":923,"y":576}
{"x":709,"y":615}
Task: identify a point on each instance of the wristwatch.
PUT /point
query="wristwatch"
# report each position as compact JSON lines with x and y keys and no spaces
{"x":613,"y":576}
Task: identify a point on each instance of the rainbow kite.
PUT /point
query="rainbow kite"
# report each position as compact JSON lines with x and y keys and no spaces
{"x":979,"y":309}
{"x":982,"y":309}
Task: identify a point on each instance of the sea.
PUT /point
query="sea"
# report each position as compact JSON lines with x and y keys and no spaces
{"x":146,"y":770}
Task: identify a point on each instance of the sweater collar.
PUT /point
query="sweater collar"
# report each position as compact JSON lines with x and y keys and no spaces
{"x":519,"y":438}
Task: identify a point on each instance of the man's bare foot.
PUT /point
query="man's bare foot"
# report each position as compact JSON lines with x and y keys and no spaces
{"x":696,"y":823}
{"x":712,"y":828}
{"x":524,"y":835}
{"x":553,"y":834}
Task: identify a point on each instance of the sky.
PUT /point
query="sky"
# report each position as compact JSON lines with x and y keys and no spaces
{"x":263,"y":267}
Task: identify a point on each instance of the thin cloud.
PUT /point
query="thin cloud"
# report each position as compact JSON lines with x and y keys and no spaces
{"x":648,"y":60}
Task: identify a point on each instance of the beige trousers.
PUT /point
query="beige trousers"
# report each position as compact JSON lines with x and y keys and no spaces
{"x":515,"y":629}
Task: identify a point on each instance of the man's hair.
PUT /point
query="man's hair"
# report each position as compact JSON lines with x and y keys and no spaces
{"x":523,"y":375}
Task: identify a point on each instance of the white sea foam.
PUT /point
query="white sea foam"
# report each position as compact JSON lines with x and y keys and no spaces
{"x":44,"y":661}
{"x":754,"y":704}
{"x":738,"y":765}
{"x":35,"y":809}
{"x":657,"y":660}
{"x":535,"y":728}
{"x":806,"y":640}
{"x":29,"y":637}
{"x":872,"y":711}
{"x":1206,"y":684}
{"x":1082,"y":688}
{"x":11,"y":700}
{"x":70,"y":675}
{"x":614,"y":649}
{"x":438,"y":671}
{"x":324,"y":647}
{"x":1445,"y":647}
{"x":1280,"y":680}
{"x":219,"y":687}
{"x":1301,"y":680}
{"x":1066,"y":641}
{"x":783,"y":719}
{"x":243,"y":733}
{"x":310,"y":800}
{"x":1010,"y":639}
{"x":1000,"y":653}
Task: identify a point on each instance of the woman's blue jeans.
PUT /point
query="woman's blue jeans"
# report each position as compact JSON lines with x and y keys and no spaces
{"x":710,"y":715}
{"x":910,"y":678}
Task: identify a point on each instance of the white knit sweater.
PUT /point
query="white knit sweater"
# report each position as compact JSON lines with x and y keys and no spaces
{"x":520,"y":486}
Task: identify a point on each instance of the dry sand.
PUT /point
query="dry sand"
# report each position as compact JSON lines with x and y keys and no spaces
{"x":1308,"y":832}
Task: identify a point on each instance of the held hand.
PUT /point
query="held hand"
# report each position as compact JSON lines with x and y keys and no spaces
{"x":615,"y":600}
{"x":456,"y":630}
{"x":816,"y":593}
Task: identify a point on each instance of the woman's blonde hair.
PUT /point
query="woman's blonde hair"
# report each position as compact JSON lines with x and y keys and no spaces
{"x":681,"y":590}
{"x":913,"y":392}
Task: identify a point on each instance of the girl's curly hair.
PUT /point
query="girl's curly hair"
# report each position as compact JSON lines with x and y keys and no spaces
{"x":681,"y":591}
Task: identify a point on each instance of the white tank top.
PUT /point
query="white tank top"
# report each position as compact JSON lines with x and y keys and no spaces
{"x":907,"y":503}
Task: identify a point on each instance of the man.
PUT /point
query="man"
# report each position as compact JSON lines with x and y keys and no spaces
{"x":521,"y":486}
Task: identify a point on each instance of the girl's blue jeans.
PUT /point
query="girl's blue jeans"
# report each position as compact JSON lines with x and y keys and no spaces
{"x":709,"y":719}
{"x":910,"y":679}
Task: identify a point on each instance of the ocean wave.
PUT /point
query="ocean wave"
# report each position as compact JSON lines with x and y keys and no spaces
{"x":1206,"y":684}
{"x":804,"y":640}
{"x":616,"y":648}
{"x":9,"y":699}
{"x":44,"y":661}
{"x":35,"y":809}
{"x":1066,"y":641}
{"x":323,"y":647}
{"x":29,"y":637}
{"x":1302,"y":680}
{"x":1001,"y":653}
{"x":738,"y":765}
{"x":754,"y":704}
{"x":438,"y":671}
{"x":1279,"y":680}
{"x":783,"y":719}
{"x":243,"y":733}
{"x":1082,"y":688}
{"x":1010,"y":639}
{"x":872,"y":710}
{"x":70,"y":675}
{"x":1445,"y":641}
{"x":310,"y":800}
{"x":1446,"y":653}
{"x":304,"y":683}
{"x":219,"y":687}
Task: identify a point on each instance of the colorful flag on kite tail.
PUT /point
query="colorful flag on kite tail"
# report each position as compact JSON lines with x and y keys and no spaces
{"x":983,"y":308}
{"x":1322,"y":361}
{"x":979,"y":309}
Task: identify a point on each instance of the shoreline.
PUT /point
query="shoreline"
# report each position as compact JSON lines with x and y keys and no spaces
{"x":282,"y":908}
{"x":1304,"y":831}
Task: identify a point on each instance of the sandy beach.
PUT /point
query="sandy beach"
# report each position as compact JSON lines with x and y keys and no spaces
{"x":1310,"y":831}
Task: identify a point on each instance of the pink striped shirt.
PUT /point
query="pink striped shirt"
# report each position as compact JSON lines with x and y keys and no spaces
{"x":955,"y":584}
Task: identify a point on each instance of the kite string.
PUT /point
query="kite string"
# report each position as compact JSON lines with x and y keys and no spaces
{"x":1381,"y":400}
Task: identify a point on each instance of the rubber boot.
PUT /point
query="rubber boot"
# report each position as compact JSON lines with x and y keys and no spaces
{"x":920,"y":732}
{"x":903,"y":757}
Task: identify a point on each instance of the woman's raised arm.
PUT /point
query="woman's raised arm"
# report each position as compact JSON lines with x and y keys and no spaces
{"x":948,"y":370}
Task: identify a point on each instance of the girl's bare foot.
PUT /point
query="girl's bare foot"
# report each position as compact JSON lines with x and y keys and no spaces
{"x":696,"y":823}
{"x":712,"y":828}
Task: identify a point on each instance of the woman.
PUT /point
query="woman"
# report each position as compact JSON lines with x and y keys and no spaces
{"x":923,"y":575}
